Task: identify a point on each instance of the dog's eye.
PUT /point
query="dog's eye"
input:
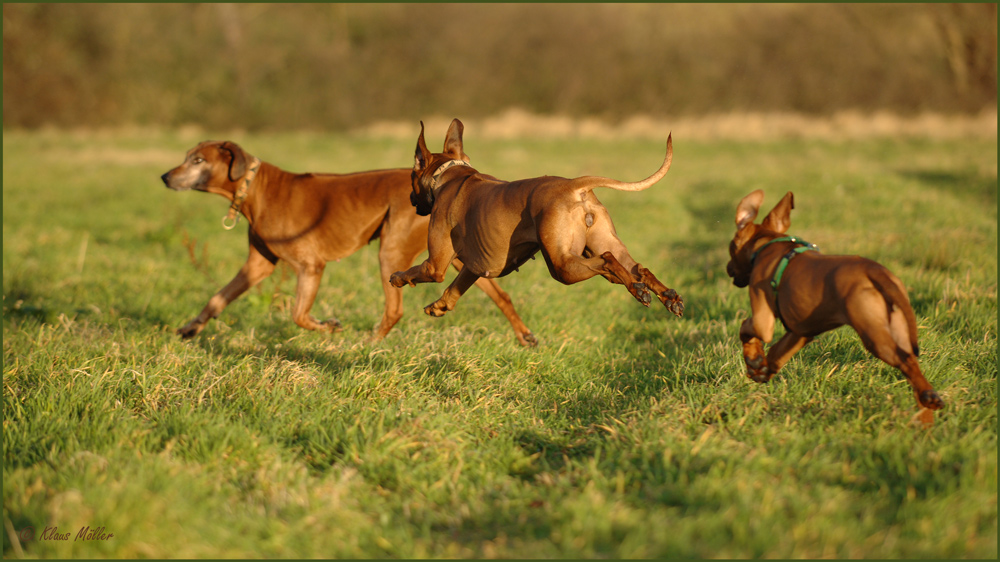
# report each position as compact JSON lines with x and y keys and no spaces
{"x":197,"y":160}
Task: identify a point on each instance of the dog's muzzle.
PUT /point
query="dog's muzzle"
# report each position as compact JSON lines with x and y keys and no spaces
{"x":171,"y":180}
{"x":423,"y":206}
{"x":166,"y":181}
{"x":740,"y":281}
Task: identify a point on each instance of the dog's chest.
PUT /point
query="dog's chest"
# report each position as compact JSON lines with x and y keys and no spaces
{"x":490,"y":255}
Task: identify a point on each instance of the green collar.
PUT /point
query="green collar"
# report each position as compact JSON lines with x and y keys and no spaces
{"x":783,"y":263}
{"x":793,"y":239}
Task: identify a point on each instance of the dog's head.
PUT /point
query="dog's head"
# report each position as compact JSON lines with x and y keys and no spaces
{"x":748,"y":234}
{"x":210,"y":164}
{"x":425,"y":163}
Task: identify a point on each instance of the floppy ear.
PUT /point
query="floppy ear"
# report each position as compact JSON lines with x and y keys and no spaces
{"x":237,"y":160}
{"x":453,"y":140}
{"x":422,"y":155}
{"x":748,"y":207}
{"x":779,"y":218}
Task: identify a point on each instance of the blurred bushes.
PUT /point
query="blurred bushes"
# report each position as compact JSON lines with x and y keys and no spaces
{"x":330,"y":66}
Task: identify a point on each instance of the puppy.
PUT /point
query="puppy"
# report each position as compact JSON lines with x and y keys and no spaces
{"x":812,"y":293}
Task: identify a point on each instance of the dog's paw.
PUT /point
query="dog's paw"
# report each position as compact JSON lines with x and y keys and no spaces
{"x":760,"y":375}
{"x":930,"y":399}
{"x":331,"y":325}
{"x":189,"y":330}
{"x":757,"y":369}
{"x":396,"y":280}
{"x":673,"y":302}
{"x":436,"y":309}
{"x":527,"y":339}
{"x":641,"y":294}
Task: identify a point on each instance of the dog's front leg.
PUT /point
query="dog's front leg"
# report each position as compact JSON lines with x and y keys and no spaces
{"x":754,"y":333}
{"x":256,"y":268}
{"x":440,"y":253}
{"x":451,"y":295}
{"x":425,"y":272}
{"x":753,"y":352}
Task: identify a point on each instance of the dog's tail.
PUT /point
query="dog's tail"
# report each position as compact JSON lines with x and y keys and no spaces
{"x":587,"y":183}
{"x":902,"y":321}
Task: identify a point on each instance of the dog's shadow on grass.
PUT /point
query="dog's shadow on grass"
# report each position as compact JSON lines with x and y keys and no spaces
{"x":278,"y":340}
{"x":436,"y":368}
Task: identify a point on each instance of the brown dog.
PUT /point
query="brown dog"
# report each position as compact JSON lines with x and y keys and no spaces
{"x":310,"y":219}
{"x":812,"y":293}
{"x":494,"y":226}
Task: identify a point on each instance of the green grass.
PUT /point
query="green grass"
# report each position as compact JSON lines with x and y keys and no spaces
{"x":626,"y":433}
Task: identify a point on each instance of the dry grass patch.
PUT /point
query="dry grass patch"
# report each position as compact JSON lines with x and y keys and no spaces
{"x":517,"y":123}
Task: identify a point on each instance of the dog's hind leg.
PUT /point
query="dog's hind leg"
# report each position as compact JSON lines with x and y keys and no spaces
{"x":310,"y":276}
{"x":667,"y":296}
{"x":879,"y":329}
{"x":563,"y":250}
{"x":569,"y":269}
{"x":256,"y":268}
{"x":602,"y":239}
{"x":395,"y":253}
{"x":639,"y":290}
{"x":783,"y":350}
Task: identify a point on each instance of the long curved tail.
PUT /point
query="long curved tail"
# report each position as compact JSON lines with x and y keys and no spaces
{"x":587,"y":183}
{"x":897,"y":300}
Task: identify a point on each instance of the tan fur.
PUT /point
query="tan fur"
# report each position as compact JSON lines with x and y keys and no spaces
{"x":494,"y":226}
{"x":311,"y":219}
{"x":818,"y":293}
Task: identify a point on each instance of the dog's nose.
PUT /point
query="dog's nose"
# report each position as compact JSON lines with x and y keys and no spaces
{"x":166,"y":181}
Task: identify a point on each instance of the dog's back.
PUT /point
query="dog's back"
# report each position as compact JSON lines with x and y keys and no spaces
{"x":314,"y":209}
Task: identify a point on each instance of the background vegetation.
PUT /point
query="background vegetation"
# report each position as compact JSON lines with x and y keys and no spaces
{"x":323,"y":66}
{"x":626,"y":433}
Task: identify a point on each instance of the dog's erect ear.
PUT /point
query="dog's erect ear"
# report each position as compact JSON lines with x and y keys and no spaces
{"x":422,"y":155}
{"x":453,"y":140}
{"x":779,"y":219}
{"x":237,"y":159}
{"x":748,"y":207}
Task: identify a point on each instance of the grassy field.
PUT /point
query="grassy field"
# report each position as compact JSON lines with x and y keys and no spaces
{"x":626,"y":433}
